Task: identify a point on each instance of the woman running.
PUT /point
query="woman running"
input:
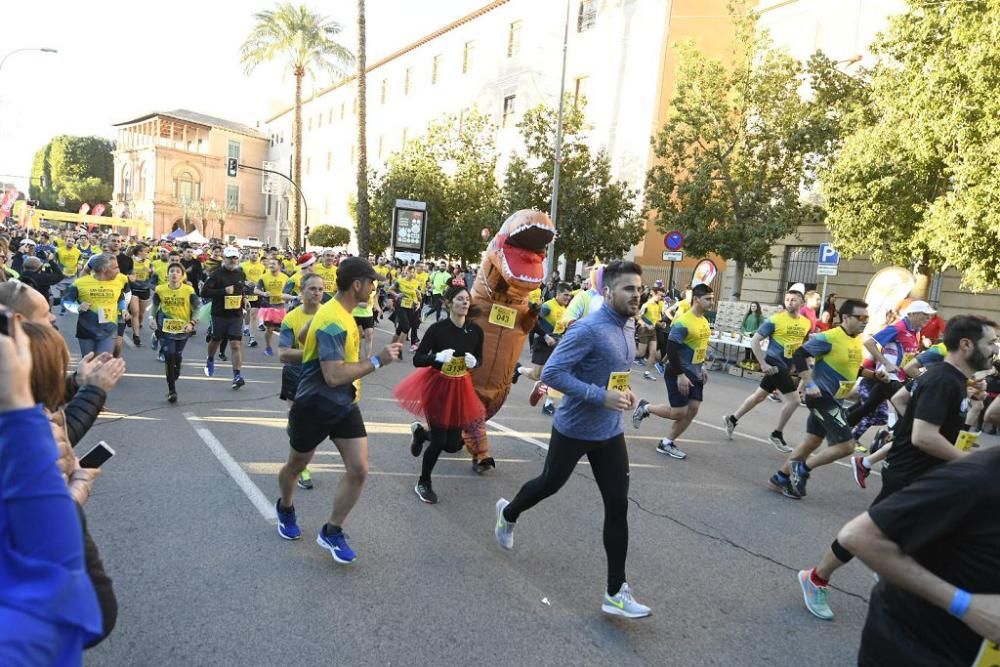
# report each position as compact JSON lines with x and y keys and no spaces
{"x":142,"y":268}
{"x":441,"y":391}
{"x":407,"y":289}
{"x":272,"y":310}
{"x":174,"y":308}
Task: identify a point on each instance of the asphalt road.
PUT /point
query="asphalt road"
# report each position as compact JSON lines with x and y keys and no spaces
{"x":203,"y":579}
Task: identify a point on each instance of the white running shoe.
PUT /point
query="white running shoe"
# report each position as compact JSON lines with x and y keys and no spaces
{"x":504,"y":530}
{"x":623,"y":604}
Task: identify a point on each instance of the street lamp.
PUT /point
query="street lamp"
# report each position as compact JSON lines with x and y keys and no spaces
{"x":43,"y":49}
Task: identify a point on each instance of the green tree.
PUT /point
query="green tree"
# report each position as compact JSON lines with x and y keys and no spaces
{"x":70,"y":171}
{"x":732,"y":155}
{"x":329,"y":236}
{"x":598,"y":216}
{"x":306,"y":43}
{"x":918,"y":185}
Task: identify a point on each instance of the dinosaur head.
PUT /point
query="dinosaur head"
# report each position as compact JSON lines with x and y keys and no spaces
{"x":517,"y":252}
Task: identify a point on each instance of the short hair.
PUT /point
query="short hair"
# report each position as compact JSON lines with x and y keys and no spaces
{"x":618,"y":268}
{"x":310,"y":276}
{"x":563,"y":287}
{"x":850,"y":306}
{"x":972,"y":327}
{"x":101,"y":262}
{"x":700,"y":290}
{"x":49,"y":363}
{"x":810,"y":294}
{"x":16,"y":296}
{"x":32,"y":263}
{"x":173,"y":264}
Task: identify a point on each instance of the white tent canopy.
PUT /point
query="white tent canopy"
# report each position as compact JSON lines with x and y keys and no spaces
{"x":193,"y":237}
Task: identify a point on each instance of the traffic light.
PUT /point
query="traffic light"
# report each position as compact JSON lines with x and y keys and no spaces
{"x":232,"y":164}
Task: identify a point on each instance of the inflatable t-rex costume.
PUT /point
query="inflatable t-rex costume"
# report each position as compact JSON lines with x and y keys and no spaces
{"x":512,"y":266}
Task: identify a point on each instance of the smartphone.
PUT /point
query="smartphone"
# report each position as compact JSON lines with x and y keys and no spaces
{"x":96,"y":457}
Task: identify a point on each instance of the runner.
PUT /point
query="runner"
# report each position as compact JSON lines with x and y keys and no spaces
{"x":650,"y":316}
{"x":364,"y":315}
{"x":68,"y":256}
{"x":441,"y":390}
{"x":327,"y":270}
{"x":685,"y":375}
{"x":174,"y":308}
{"x":439,"y":283}
{"x":270,"y":289}
{"x":326,"y":405}
{"x":591,"y":367}
{"x":141,"y":291}
{"x":225,"y":289}
{"x":786,"y":331}
{"x":837,"y":354}
{"x":548,"y":330}
{"x":290,"y":348}
{"x":407,"y":291}
{"x":96,"y":299}
{"x":926,"y":436}
{"x":254,"y":270}
{"x":305,"y":263}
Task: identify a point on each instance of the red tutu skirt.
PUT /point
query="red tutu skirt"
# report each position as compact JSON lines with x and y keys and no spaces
{"x":446,"y":402}
{"x":272,"y":315}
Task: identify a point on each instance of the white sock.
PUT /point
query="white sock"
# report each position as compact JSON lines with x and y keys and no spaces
{"x":548,"y":401}
{"x":866,"y":463}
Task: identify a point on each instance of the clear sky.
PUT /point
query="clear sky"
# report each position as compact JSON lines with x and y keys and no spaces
{"x":118,"y":60}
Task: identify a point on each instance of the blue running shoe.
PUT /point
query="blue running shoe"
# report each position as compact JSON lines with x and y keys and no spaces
{"x":209,"y":367}
{"x":238,"y":381}
{"x":288,"y":527}
{"x":799,"y":477}
{"x":336,"y":544}
{"x":268,"y":351}
{"x":660,"y":368}
{"x":781,"y":484}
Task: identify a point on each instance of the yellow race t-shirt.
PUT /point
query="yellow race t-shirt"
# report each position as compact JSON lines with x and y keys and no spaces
{"x":333,"y":336}
{"x":69,"y":259}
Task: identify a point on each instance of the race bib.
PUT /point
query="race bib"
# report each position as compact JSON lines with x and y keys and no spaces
{"x":174,"y":326}
{"x":966,"y":441}
{"x":907,"y":358}
{"x":252,"y":298}
{"x":502,"y":316}
{"x":407,"y":302}
{"x":234,"y":302}
{"x":102,"y":316}
{"x":699,"y":356}
{"x":554,"y":394}
{"x":790,"y":349}
{"x":846,"y":387}
{"x":989,"y":655}
{"x":357,"y":390}
{"x":454,"y":368}
{"x":619,"y":381}
{"x":560,"y":328}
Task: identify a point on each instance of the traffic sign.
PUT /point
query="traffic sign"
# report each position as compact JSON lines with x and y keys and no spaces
{"x":829,"y":260}
{"x":673,"y":240}
{"x":672,"y":255}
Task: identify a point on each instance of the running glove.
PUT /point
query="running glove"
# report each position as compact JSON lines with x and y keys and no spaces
{"x":470,"y":361}
{"x":444,"y":356}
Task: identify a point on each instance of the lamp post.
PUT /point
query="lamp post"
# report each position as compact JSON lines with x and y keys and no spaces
{"x":556,"y":163}
{"x":43,"y":49}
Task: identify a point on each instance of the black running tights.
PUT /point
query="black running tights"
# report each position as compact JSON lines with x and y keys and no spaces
{"x":609,"y":463}
{"x":442,"y":439}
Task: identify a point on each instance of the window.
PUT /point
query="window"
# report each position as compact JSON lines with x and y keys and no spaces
{"x":309,"y":123}
{"x":232,"y":198}
{"x":799,"y":267}
{"x":407,"y":80}
{"x":329,"y":160}
{"x":267,"y":199}
{"x":234,"y":149}
{"x":343,"y":106}
{"x":508,"y":111}
{"x":309,"y":164}
{"x":319,"y":121}
{"x":186,"y":188}
{"x":353,"y":153}
{"x":381,"y":145}
{"x":435,"y":69}
{"x":404,"y":138}
{"x":467,"y":52}
{"x":587,"y":16}
{"x":326,"y":206}
{"x":513,"y":39}
{"x":579,"y":90}
{"x":329,"y":117}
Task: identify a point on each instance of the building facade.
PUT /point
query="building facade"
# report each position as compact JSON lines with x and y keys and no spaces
{"x":171,"y":169}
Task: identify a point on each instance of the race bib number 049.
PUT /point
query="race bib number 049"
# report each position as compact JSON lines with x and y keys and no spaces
{"x":502,"y":316}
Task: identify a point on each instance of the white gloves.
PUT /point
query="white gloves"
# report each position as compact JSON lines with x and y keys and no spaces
{"x":444,"y":356}
{"x":470,"y":361}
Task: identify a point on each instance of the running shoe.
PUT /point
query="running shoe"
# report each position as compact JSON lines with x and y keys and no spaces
{"x":860,"y":449}
{"x":246,"y":330}
{"x":504,"y":530}
{"x":425,"y":492}
{"x":269,"y":351}
{"x":640,"y":413}
{"x":799,"y":477}
{"x":238,"y":382}
{"x":171,"y":397}
{"x":860,"y":471}
{"x":483,"y":465}
{"x":729,"y":422}
{"x":419,"y":438}
{"x":288,"y":527}
{"x":154,"y":342}
{"x":252,"y":342}
{"x":670,"y":449}
{"x":814,"y":597}
{"x":781,"y":484}
{"x":639,"y":362}
{"x":136,"y":340}
{"x":222,"y":356}
{"x":647,"y":375}
{"x":517,"y":373}
{"x":537,"y":392}
{"x":549,"y":409}
{"x":162,"y":357}
{"x":305,"y":480}
{"x":260,"y":327}
{"x":774,"y":397}
{"x":660,"y":368}
{"x":209,"y":367}
{"x":336,"y":544}
{"x":881,"y":438}
{"x":623,"y":604}
{"x":778,"y":440}
{"x":413,"y":348}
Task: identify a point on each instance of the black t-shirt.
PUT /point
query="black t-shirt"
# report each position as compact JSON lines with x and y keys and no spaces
{"x":937,"y":398}
{"x":947,"y":521}
{"x":444,"y":335}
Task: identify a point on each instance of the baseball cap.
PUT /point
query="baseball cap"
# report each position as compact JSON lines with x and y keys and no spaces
{"x":305,"y":259}
{"x":355,"y":268}
{"x":919,"y":307}
{"x":230,"y":251}
{"x":27,"y":242}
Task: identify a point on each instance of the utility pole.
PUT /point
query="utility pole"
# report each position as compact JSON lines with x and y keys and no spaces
{"x":557,"y":162}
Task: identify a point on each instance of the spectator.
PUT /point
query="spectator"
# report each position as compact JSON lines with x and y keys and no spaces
{"x":751,"y":322}
{"x":809,"y":311}
{"x":41,"y":277}
{"x":932,"y":331}
{"x":25,"y":303}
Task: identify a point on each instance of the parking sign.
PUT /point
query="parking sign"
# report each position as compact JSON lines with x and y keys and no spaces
{"x":829,"y":260}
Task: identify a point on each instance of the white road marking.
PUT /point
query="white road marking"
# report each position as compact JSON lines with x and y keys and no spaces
{"x":251,"y":490}
{"x":519,"y":435}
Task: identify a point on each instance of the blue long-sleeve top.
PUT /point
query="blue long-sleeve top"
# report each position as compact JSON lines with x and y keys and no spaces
{"x":580,"y":367}
{"x":45,"y":592}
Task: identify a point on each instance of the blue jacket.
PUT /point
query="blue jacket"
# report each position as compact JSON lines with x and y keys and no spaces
{"x":580,"y":366}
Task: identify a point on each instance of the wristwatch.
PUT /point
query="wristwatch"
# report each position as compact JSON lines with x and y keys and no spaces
{"x":376,"y":362}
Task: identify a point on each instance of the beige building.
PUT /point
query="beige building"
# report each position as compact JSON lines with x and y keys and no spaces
{"x":170,"y":169}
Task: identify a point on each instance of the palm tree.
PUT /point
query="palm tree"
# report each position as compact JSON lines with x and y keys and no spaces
{"x":362,"y":208}
{"x":305,"y":42}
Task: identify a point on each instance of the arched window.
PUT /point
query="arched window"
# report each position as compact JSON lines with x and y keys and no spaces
{"x":187,"y":184}
{"x":127,"y":179}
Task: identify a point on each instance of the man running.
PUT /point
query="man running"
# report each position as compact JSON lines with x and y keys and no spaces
{"x":254,"y":269}
{"x":174,"y":307}
{"x":327,"y":269}
{"x":786,"y":331}
{"x":924,"y":437}
{"x":548,"y":330}
{"x":591,"y":367}
{"x":326,"y":405}
{"x":97,"y":300}
{"x":270,"y":289}
{"x":685,"y":374}
{"x":440,"y":280}
{"x":225,"y":288}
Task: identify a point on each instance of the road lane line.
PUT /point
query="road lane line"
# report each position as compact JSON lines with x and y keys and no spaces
{"x":252,"y":491}
{"x":520,"y":436}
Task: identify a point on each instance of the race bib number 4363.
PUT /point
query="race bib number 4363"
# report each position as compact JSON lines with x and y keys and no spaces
{"x":174,"y":326}
{"x":502,"y":316}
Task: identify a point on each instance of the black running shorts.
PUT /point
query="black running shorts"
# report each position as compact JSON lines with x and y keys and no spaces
{"x":311,"y":421}
{"x":827,"y":419}
{"x":227,"y":328}
{"x":782,"y":381}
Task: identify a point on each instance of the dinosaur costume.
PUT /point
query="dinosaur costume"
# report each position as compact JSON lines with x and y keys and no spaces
{"x":512,"y":266}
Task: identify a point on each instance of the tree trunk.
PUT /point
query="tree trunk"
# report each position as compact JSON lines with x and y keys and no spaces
{"x":738,"y":270}
{"x":294,"y":201}
{"x":923,"y":275}
{"x":363,"y":210}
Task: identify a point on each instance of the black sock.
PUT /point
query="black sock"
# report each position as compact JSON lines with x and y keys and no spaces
{"x":733,"y":419}
{"x":777,"y":433}
{"x":236,"y":372}
{"x":330,"y":529}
